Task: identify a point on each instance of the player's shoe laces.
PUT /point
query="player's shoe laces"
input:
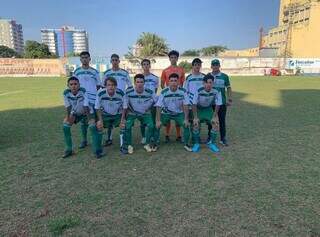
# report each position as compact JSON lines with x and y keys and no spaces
{"x":148,"y":148}
{"x":213,"y":147}
{"x":130,"y":149}
{"x":187,"y":148}
{"x":83,"y":144}
{"x":143,"y":141}
{"x":196,"y":148}
{"x":108,"y":142}
{"x":67,"y":154}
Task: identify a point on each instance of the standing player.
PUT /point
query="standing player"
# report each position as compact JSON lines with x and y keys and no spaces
{"x":202,"y":103}
{"x":173,"y":104}
{"x":90,"y":80}
{"x":109,"y":105}
{"x":151,"y":82}
{"x":173,"y":68}
{"x":222,"y":83}
{"x":76,"y":104}
{"x":138,"y":102}
{"x":123,"y":82}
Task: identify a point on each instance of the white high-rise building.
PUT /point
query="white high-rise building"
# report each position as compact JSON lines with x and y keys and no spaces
{"x":11,"y":35}
{"x":65,"y":41}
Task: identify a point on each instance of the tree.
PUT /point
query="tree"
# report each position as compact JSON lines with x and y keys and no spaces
{"x":148,"y":45}
{"x":33,"y":49}
{"x":6,"y":52}
{"x":191,"y":53}
{"x":213,"y":50}
{"x":186,"y":66}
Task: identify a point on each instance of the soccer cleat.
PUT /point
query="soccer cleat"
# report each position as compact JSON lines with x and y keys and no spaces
{"x":83,"y":144}
{"x":154,"y":148}
{"x":148,"y":148}
{"x":108,"y":142}
{"x":130,"y":149}
{"x":178,"y":139}
{"x":143,"y":141}
{"x":123,"y":150}
{"x":67,"y":154}
{"x":213,"y":147}
{"x":167,"y":139}
{"x":187,"y":148}
{"x":196,"y":148}
{"x":224,"y":142}
{"x":99,"y":154}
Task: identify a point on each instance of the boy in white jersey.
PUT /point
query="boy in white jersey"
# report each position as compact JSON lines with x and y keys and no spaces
{"x":109,"y":106}
{"x":137,"y":104}
{"x":123,"y":82}
{"x":173,"y":104}
{"x":89,"y":79}
{"x":151,"y":82}
{"x":76,"y":104}
{"x":202,"y":103}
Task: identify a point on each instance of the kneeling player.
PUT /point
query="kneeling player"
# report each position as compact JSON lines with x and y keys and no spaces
{"x":173,"y":104}
{"x":138,"y":102}
{"x":77,"y":107}
{"x":203,"y":101}
{"x":108,"y":105}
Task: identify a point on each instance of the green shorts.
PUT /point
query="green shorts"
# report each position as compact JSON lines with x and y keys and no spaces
{"x":111,"y":121}
{"x":80,"y":118}
{"x":178,"y":118}
{"x":205,"y":115}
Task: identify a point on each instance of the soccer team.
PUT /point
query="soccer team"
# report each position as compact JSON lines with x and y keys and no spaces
{"x":102,"y":106}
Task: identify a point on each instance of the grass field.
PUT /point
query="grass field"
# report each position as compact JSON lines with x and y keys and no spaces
{"x":267,"y":183}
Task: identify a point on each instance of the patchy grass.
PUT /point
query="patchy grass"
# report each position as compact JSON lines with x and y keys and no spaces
{"x":265,"y":184}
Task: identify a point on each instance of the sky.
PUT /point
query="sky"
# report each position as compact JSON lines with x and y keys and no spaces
{"x":114,"y":25}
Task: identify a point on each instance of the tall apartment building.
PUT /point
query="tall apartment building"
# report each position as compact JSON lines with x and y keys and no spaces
{"x":11,"y":35}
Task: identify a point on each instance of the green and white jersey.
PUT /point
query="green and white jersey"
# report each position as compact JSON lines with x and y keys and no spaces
{"x":139,"y":103}
{"x":221,"y":82}
{"x":192,"y":83}
{"x":109,"y":105}
{"x":172,"y":102}
{"x":78,"y":102}
{"x":89,"y":79}
{"x":206,"y":99}
{"x":151,"y":82}
{"x":122,"y":77}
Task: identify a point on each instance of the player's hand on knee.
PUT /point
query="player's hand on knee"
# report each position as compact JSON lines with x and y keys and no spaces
{"x":196,"y":122}
{"x":100,"y":125}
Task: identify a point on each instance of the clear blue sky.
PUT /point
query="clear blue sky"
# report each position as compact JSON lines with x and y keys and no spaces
{"x":113,"y":25}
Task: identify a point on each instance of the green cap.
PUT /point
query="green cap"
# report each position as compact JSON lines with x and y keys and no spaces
{"x":215,"y":62}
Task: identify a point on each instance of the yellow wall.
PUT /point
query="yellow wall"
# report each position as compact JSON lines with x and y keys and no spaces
{"x":252,"y":52}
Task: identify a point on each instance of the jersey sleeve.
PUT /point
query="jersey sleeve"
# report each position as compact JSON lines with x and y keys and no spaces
{"x":98,"y":80}
{"x":218,"y":98}
{"x":97,"y":104}
{"x":129,"y":83}
{"x":156,"y":82}
{"x":163,"y":77}
{"x":66,"y":101}
{"x":182,"y":78}
{"x":125,"y":101}
{"x":194,"y":99}
{"x":186,"y":100}
{"x":86,"y":100}
{"x":160,"y":101}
